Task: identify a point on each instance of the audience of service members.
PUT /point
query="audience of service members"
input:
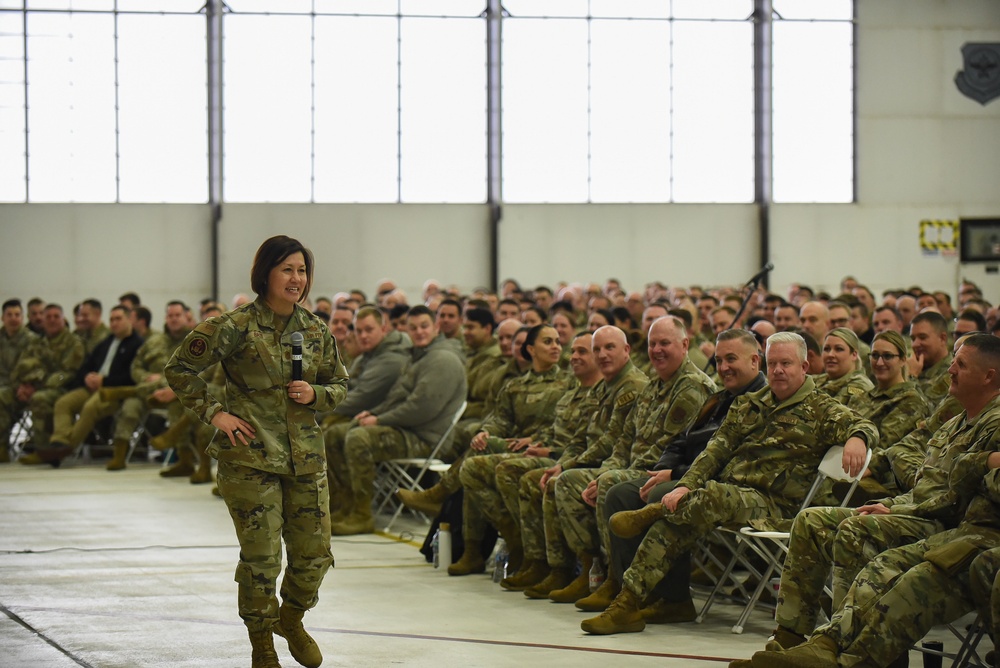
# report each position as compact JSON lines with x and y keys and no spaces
{"x":610,"y":431}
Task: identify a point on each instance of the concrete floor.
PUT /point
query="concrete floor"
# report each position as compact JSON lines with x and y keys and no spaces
{"x":128,"y":569}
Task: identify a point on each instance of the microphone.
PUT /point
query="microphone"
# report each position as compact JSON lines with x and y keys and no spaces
{"x":761,"y":274}
{"x":296,"y":355}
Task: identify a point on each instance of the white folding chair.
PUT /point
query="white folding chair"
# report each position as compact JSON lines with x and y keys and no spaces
{"x":20,"y":434}
{"x":772,"y":546}
{"x":396,"y":473}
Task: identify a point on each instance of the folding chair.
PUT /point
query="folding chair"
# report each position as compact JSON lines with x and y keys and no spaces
{"x":20,"y":434}
{"x":772,"y":546}
{"x":396,"y":473}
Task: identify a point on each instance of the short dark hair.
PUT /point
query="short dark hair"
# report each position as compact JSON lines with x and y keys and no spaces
{"x":450,"y":302}
{"x":11,"y":303}
{"x":130,"y":297}
{"x":542,"y":314}
{"x":126,"y":311}
{"x":144,"y":314}
{"x":400,"y":310}
{"x":178,"y":302}
{"x":684,"y":315}
{"x":932,"y":318}
{"x":93,"y":303}
{"x":508,"y":300}
{"x":419,"y":309}
{"x":482,"y":316}
{"x":270,"y":254}
{"x":975,"y":316}
{"x":35,"y":301}
{"x":987,"y":346}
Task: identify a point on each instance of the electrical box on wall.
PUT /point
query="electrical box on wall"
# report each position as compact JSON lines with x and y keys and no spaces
{"x":979,"y":254}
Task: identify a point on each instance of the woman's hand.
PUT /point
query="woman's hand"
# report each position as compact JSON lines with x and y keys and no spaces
{"x":301,"y":392}
{"x":233,"y":427}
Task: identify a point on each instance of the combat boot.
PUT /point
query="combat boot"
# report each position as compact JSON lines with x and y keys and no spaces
{"x":579,"y":587}
{"x":301,"y":645}
{"x":557,"y":578}
{"x":184,"y":466}
{"x":622,"y":616}
{"x":818,"y":652}
{"x":631,"y":523}
{"x":360,"y":520}
{"x":783,"y":639}
{"x":203,"y":474}
{"x":428,"y":502}
{"x":602,"y":597}
{"x":532,"y":572}
{"x":263,"y":655}
{"x":470,"y":562}
{"x":741,"y":663}
{"x":117,"y":462}
{"x":171,"y":437}
{"x":665,"y":612}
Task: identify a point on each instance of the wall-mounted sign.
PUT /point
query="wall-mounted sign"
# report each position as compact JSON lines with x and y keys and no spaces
{"x":939,"y":237}
{"x":979,"y":77}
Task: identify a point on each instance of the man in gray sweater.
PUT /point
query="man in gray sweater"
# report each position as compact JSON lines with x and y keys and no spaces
{"x":384,"y":354}
{"x":408,"y":423}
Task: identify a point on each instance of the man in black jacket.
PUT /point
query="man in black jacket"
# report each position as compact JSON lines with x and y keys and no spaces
{"x":738,"y":362}
{"x":108,"y":365}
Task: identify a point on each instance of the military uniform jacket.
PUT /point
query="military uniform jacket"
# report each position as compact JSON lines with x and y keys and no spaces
{"x":615,"y":400}
{"x":572,"y":412}
{"x":682,"y":450}
{"x":934,"y":382}
{"x":120,"y":372}
{"x":153,"y":356}
{"x":426,"y":396}
{"x":480,"y":366}
{"x":775,"y":447}
{"x":91,"y":339}
{"x":11,"y":348}
{"x":663,"y":410}
{"x":640,"y":358}
{"x":931,"y":495}
{"x":496,"y":380}
{"x":851,"y":389}
{"x":373,"y":373}
{"x":256,"y":355}
{"x":49,"y":363}
{"x":526,"y":404}
{"x":895,"y":411}
{"x":905,"y":457}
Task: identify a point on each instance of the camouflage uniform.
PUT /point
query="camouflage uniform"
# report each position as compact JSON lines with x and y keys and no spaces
{"x":895,"y":465}
{"x":760,"y":463}
{"x":91,"y":339}
{"x":897,"y":598}
{"x":663,"y":411}
{"x":11,"y":348}
{"x":895,"y":411}
{"x":373,"y":373}
{"x":525,"y":505}
{"x":150,"y":360}
{"x":678,"y":456}
{"x":48,"y":365}
{"x":615,"y":400}
{"x":822,"y":538}
{"x":934,"y":382}
{"x":986,"y":589}
{"x":524,"y":408}
{"x":275,"y":487}
{"x":851,"y":389}
{"x":484,"y":386}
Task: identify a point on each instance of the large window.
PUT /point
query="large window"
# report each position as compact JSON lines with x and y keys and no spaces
{"x":386,"y":101}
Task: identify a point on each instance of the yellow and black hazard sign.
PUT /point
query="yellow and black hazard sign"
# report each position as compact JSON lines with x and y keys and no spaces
{"x":939,"y":235}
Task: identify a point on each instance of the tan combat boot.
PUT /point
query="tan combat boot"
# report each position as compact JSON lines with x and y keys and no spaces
{"x":602,"y":597}
{"x":783,"y":638}
{"x":117,"y":462}
{"x":556,"y":579}
{"x":532,"y":572}
{"x":172,"y":435}
{"x":360,"y":520}
{"x":470,"y":562}
{"x":263,"y":655}
{"x":579,"y":587}
{"x":622,"y":616}
{"x":301,"y":645}
{"x":631,"y":523}
{"x":184,"y":466}
{"x":818,"y":652}
{"x":427,"y":502}
{"x":203,"y":474}
{"x":665,"y":612}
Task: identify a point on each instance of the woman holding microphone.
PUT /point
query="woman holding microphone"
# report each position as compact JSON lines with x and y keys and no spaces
{"x":272,"y":461}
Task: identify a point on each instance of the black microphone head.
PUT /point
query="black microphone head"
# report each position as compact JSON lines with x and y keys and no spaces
{"x":297,"y":338}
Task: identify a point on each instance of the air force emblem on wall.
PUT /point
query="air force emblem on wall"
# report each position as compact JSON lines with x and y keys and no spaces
{"x":980,"y":76}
